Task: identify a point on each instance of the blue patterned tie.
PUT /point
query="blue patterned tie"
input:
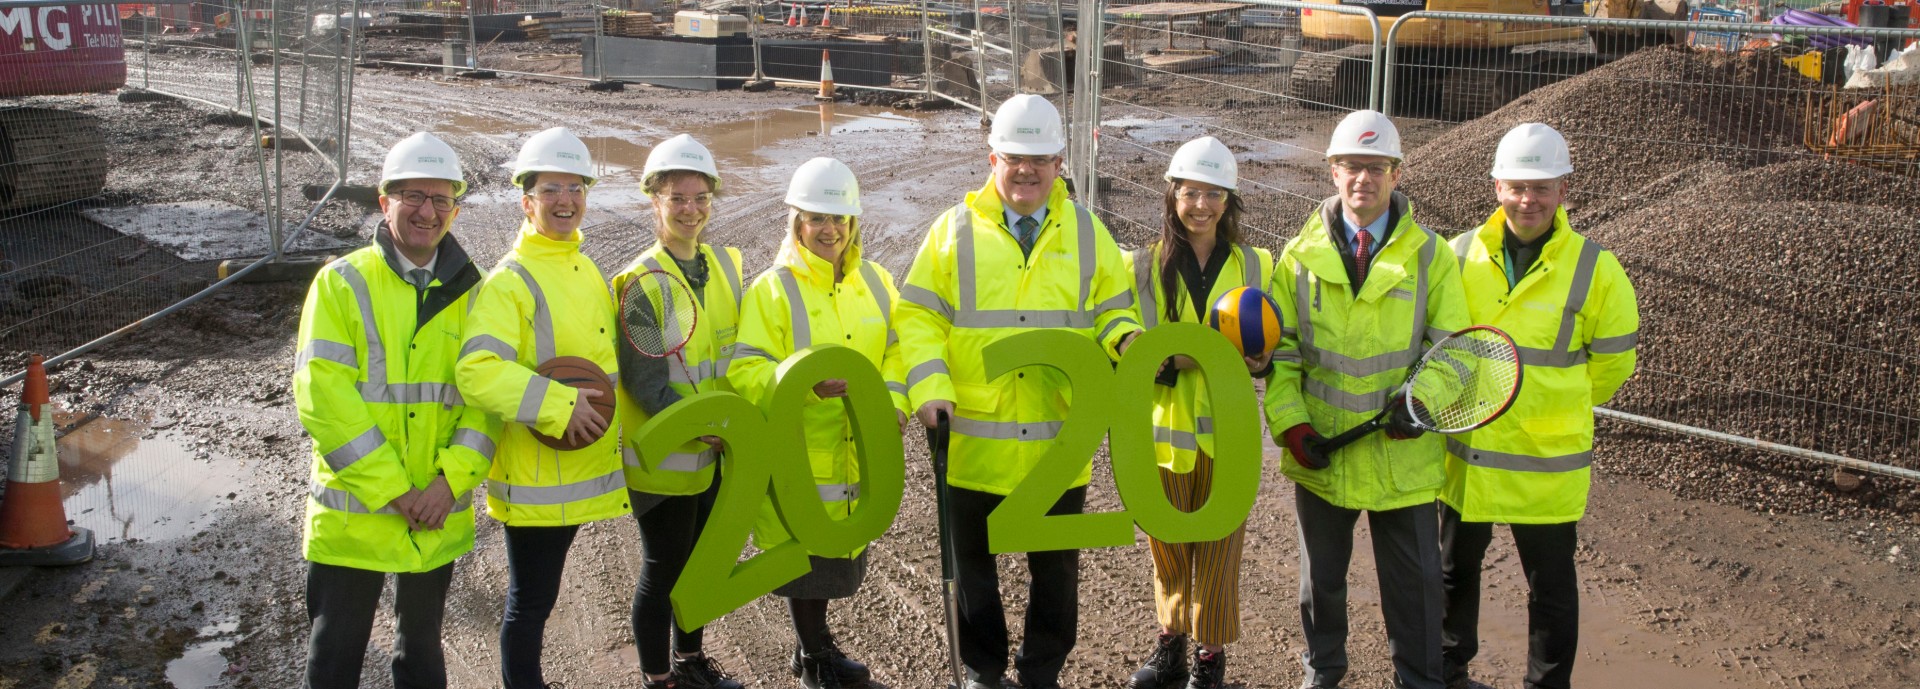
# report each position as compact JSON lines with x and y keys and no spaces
{"x":1028,"y":228}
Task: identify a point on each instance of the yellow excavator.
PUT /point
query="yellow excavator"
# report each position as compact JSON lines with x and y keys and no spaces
{"x":1459,"y":70}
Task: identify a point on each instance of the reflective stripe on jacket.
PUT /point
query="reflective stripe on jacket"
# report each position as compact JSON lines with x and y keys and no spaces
{"x":545,"y":299}
{"x":1183,"y":414}
{"x":1574,"y":318}
{"x":374,"y":387}
{"x":1347,"y":352}
{"x":796,"y":305}
{"x":689,"y":470}
{"x":970,"y":286}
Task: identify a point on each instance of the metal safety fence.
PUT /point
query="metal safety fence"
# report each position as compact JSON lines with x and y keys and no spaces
{"x":224,"y":142}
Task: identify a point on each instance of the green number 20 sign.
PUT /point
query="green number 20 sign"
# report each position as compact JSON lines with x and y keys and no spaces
{"x":766,"y":455}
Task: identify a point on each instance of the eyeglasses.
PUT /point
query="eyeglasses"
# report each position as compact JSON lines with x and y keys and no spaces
{"x":697,"y":200}
{"x":822,"y":219}
{"x":1198,"y":195}
{"x":1376,"y":169}
{"x":1035,"y":162}
{"x":412,"y":199}
{"x":556,"y":190}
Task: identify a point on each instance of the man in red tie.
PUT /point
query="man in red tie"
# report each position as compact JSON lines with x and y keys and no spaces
{"x":1364,"y":291}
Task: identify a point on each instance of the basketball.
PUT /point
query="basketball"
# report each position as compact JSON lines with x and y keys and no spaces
{"x":573,"y":371}
{"x":1248,"y":318}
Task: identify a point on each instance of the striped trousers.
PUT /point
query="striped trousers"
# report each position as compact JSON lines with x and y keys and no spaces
{"x":1196,"y":586}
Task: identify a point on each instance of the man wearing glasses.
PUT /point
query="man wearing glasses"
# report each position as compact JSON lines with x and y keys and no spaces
{"x":544,"y":300}
{"x":1364,"y":291}
{"x":396,"y":453}
{"x":1017,"y":255}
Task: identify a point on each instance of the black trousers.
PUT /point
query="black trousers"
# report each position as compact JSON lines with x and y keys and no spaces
{"x":1053,"y":594}
{"x":340,"y":605}
{"x":1406,"y":555}
{"x":669,"y":527}
{"x":536,"y":555}
{"x":1553,"y":595}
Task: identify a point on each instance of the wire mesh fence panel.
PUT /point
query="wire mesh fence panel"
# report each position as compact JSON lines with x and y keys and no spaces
{"x":953,"y":59}
{"x":1238,"y":72}
{"x":1735,"y":186}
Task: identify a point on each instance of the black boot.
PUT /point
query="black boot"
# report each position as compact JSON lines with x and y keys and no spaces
{"x":1209,"y":670}
{"x":701,"y":672}
{"x":1166,"y":667}
{"x":818,"y":671}
{"x":852,"y":673}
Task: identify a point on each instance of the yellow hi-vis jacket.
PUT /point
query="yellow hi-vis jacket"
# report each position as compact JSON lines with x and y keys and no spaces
{"x":689,"y":470}
{"x":796,"y":305}
{"x":1574,"y":318}
{"x":971,"y":286}
{"x":545,"y":299}
{"x":1183,"y":414}
{"x":1348,"y":350}
{"x":373,"y":381}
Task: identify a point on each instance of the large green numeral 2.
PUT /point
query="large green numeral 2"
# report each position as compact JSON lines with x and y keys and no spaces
{"x":1122,"y":401}
{"x":766,"y":455}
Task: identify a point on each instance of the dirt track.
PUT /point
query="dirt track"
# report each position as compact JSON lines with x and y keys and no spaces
{"x":1679,"y":592}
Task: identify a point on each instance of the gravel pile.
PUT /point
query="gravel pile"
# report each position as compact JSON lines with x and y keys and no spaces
{"x":1628,"y":123}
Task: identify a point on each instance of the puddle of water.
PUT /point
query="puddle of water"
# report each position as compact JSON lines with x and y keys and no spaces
{"x":202,"y":666}
{"x":123,"y":486}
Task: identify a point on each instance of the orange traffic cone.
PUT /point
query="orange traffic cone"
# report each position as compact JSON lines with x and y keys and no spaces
{"x":803,"y":15}
{"x":826,"y":77}
{"x":826,"y":15}
{"x":793,"y":15}
{"x":33,"y":525}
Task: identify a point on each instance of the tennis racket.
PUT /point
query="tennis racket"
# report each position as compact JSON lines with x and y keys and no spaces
{"x":658,"y":315}
{"x":1464,"y":382}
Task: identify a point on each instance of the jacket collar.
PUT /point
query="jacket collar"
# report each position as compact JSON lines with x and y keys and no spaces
{"x":1317,"y":250}
{"x":986,"y":202}
{"x":532,"y":244}
{"x":452,"y":258}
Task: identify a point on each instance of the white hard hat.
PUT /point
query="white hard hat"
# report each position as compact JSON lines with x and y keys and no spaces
{"x":422,"y":156}
{"x":1365,"y":133}
{"x":1205,"y":160}
{"x":1532,"y":151}
{"x":824,"y":185}
{"x":679,"y":153}
{"x":1026,"y":125}
{"x":554,"y":150}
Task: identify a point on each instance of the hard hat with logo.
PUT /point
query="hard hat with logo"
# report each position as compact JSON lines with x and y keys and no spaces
{"x":1532,"y":151}
{"x":1026,"y":125}
{"x":679,"y":153}
{"x":1205,"y":160}
{"x":553,"y":150}
{"x":422,"y":156}
{"x":1365,"y":133}
{"x":824,"y":185}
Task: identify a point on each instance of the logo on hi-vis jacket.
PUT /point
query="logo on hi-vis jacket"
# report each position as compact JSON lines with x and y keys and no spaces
{"x":1367,"y":138}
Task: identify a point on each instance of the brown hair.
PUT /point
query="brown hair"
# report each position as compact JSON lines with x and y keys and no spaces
{"x":1174,"y":246}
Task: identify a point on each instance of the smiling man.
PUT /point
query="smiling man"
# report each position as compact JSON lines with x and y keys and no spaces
{"x":396,"y":453}
{"x":1364,"y":290}
{"x":1568,"y":304}
{"x":1016,"y":256}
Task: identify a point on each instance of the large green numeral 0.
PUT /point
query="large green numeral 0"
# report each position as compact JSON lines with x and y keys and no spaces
{"x":882,"y":456}
{"x":769,"y":456}
{"x":1021,"y":523}
{"x":1236,"y":435}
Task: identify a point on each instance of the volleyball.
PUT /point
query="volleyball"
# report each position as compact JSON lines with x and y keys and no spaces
{"x":1248,"y":318}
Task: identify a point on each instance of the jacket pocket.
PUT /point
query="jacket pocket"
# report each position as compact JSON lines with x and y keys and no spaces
{"x":976,"y":398}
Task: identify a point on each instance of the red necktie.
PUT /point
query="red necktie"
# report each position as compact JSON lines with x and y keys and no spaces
{"x":1362,"y":257}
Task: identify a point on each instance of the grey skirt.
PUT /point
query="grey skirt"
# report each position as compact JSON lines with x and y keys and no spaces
{"x":831,"y":577}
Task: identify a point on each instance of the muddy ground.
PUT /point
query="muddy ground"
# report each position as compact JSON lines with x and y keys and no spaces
{"x":185,"y":453}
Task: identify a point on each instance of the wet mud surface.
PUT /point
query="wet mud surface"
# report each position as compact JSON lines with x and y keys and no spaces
{"x":182,"y":449}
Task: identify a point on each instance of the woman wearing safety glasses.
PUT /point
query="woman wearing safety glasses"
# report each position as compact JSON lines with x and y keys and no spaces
{"x":1198,"y":258}
{"x":820,"y":291}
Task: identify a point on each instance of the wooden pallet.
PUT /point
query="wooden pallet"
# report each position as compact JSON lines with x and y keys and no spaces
{"x":49,"y":156}
{"x":629,"y":24}
{"x":558,"y":28}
